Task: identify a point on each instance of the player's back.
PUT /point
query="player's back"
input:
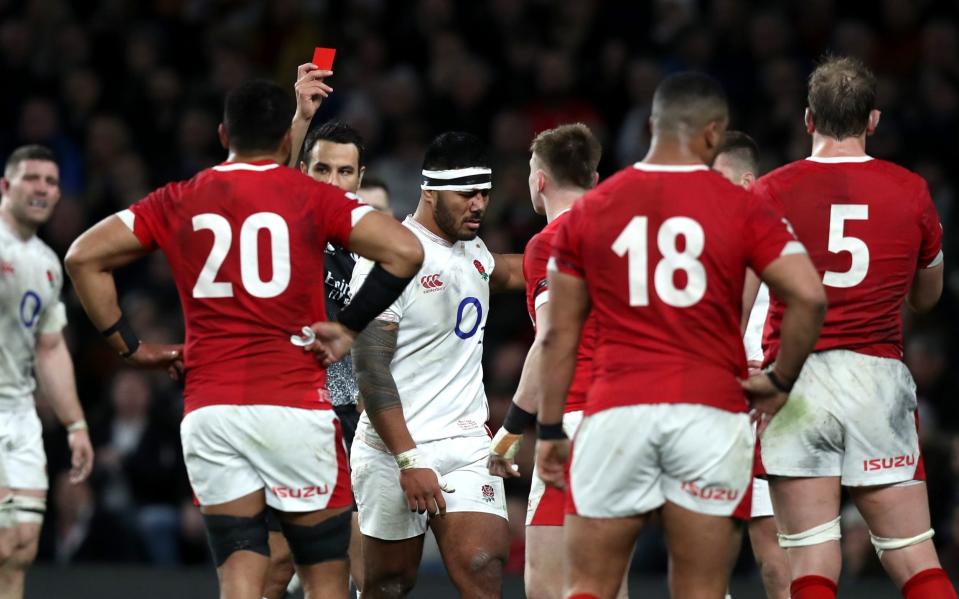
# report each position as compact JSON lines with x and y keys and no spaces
{"x":246,"y":246}
{"x":664,"y":251}
{"x":868,"y":225}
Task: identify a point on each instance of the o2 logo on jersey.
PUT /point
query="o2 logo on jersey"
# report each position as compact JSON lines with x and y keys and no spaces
{"x":30,"y":306}
{"x":462,"y":311}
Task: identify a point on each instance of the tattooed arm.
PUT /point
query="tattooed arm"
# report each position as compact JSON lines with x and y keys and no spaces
{"x":372,"y":354}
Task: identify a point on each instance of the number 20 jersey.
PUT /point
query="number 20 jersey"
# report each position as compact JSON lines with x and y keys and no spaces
{"x":438,"y":364}
{"x":663,"y":250}
{"x":868,"y":225}
{"x":246,"y":242}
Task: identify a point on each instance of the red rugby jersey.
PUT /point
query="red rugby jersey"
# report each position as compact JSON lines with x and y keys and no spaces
{"x":664,"y":250}
{"x":245,"y":242}
{"x":868,"y":225}
{"x":535,"y":259}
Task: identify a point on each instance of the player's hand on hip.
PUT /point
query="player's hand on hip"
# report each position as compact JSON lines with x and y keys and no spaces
{"x":310,"y":90}
{"x":502,"y":450}
{"x":424,"y":488}
{"x":765,"y":400}
{"x":156,"y":355}
{"x":551,"y":458}
{"x":332,"y":341}
{"x":81,"y":455}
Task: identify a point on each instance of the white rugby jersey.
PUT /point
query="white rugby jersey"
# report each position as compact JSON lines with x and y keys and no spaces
{"x":30,"y":282}
{"x":438,"y":364}
{"x":753,"y":339}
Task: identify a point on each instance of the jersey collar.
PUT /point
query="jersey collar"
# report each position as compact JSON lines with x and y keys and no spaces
{"x":258,"y":166}
{"x":429,"y":234}
{"x":839,"y":159}
{"x":669,"y":168}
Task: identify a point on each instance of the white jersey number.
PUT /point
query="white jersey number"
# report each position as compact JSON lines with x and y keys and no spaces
{"x":206,"y":284}
{"x":632,"y":244}
{"x":838,"y":243}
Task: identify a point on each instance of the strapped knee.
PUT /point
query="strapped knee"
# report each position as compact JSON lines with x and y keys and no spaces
{"x":229,"y":534}
{"x":883,"y":544}
{"x":323,"y":542}
{"x":823,"y":533}
{"x":27,"y":509}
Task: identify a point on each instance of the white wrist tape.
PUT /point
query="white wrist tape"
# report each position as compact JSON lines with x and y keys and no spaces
{"x":79,"y":425}
{"x":830,"y":531}
{"x":414,"y":458}
{"x":505,"y":444}
{"x":883,"y":544}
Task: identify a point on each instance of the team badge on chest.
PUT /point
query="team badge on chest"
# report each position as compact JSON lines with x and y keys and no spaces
{"x":481,"y":269}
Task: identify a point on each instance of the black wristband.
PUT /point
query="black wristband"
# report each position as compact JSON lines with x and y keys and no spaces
{"x":378,"y":292}
{"x":550,"y":432}
{"x":130,"y":338}
{"x":517,"y":419}
{"x":778,"y":382}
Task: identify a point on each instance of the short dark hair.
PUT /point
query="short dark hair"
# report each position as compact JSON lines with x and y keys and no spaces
{"x":570,"y":153}
{"x":455,"y":149}
{"x":689,"y":98}
{"x":337,"y":132}
{"x":257,"y":114}
{"x":842,"y":92}
{"x":370,"y":181}
{"x":742,"y":148}
{"x":28,"y":152}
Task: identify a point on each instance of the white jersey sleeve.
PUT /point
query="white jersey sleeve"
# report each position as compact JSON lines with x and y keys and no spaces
{"x":53,"y":316}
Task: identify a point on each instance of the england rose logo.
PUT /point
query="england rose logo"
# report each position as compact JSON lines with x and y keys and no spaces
{"x":489,"y":496}
{"x":482,"y":271}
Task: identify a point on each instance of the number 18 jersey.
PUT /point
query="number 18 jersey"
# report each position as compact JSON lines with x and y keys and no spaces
{"x":438,"y":364}
{"x":246,"y":242}
{"x":868,"y":226}
{"x":663,"y":250}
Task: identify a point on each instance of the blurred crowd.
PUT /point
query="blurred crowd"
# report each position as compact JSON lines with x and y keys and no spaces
{"x":129,"y":95}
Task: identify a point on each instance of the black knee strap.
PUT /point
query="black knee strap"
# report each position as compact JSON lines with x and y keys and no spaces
{"x":228,"y":534}
{"x":323,"y":542}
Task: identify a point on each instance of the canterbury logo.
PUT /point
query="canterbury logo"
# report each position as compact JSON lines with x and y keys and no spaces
{"x":431,"y":281}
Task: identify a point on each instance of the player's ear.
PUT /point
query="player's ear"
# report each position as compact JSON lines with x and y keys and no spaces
{"x":810,"y":125}
{"x":873,"y":121}
{"x":747,"y":179}
{"x":594,"y":180}
{"x":359,"y":180}
{"x":286,"y":145}
{"x":4,"y":185}
{"x":303,"y":168}
{"x":540,"y":181}
{"x":221,"y":133}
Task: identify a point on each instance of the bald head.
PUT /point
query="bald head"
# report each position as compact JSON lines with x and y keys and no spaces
{"x":687,"y":103}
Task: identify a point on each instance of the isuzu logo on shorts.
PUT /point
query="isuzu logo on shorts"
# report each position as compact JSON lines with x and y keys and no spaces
{"x":302,"y":492}
{"x":431,"y":282}
{"x":710,"y":493}
{"x":899,"y":461}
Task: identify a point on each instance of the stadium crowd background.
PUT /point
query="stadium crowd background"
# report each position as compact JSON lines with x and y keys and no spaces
{"x":129,"y":94}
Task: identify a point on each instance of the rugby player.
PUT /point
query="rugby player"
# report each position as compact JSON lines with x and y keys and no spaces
{"x":562,"y":168}
{"x":419,"y":368}
{"x":659,"y":253}
{"x":874,"y":235}
{"x":375,"y":192}
{"x":738,"y":161}
{"x":33,"y":353}
{"x":246,"y":241}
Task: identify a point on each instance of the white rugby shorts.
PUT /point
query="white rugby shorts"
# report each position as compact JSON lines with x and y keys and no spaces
{"x":22,"y":458}
{"x":630,"y":460}
{"x":547,"y":505}
{"x":848,"y":415}
{"x":296,"y":455}
{"x":383,"y":510}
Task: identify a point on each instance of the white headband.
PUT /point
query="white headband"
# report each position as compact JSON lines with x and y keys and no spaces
{"x":460,"y":179}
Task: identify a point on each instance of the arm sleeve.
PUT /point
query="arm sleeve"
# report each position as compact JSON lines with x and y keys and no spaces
{"x":395,"y":312}
{"x":930,"y":245}
{"x":54,"y":316}
{"x":566,"y":254}
{"x":149,"y":218}
{"x":767,"y":235}
{"x":338,"y":212}
{"x":535,"y":259}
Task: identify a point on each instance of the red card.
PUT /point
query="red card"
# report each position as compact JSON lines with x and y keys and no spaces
{"x":323,"y":58}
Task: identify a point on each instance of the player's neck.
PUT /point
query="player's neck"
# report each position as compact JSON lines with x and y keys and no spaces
{"x":824,"y":146}
{"x":665,"y":150}
{"x":23,"y":231}
{"x":560,"y":201}
{"x":258,"y":157}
